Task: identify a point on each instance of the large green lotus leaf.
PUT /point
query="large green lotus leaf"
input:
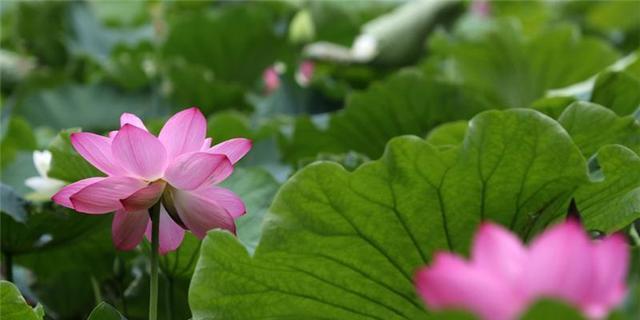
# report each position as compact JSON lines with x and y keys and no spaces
{"x":553,"y":106}
{"x":518,"y":168}
{"x":513,"y":70}
{"x":619,"y":90}
{"x":349,"y":160}
{"x":634,"y":67}
{"x":406,"y":103}
{"x":341,"y":245}
{"x":613,"y":201}
{"x":592,"y":126}
{"x":14,"y":307}
{"x":449,"y":134}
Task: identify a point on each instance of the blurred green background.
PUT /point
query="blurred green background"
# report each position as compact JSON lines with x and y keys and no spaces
{"x":306,"y":80}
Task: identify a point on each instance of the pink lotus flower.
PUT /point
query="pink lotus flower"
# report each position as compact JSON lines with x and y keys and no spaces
{"x":271,"y":79}
{"x":305,"y":73}
{"x":503,"y":277}
{"x":481,"y":8}
{"x":271,"y":75}
{"x":179,"y":168}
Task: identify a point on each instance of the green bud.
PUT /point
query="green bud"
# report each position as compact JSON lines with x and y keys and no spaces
{"x":301,"y":29}
{"x":169,"y":205}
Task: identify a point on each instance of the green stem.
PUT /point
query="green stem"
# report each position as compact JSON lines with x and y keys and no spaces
{"x":8,"y":266}
{"x":96,"y":290}
{"x":123,"y":300}
{"x":169,"y":298}
{"x":154,"y":212}
{"x":634,"y":232}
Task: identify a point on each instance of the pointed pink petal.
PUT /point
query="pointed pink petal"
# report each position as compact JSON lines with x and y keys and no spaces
{"x":128,"y":228}
{"x":225,"y":198}
{"x":171,"y":234}
{"x":184,"y":132}
{"x":62,"y":196}
{"x":452,"y":283}
{"x":234,"y":149}
{"x":129,"y":118}
{"x":608,"y":287}
{"x":104,"y":196}
{"x":201,"y":214}
{"x":559,"y":264}
{"x":192,"y":170}
{"x":206,"y":145}
{"x":97,"y":150}
{"x":139,"y":152}
{"x":222,"y":172}
{"x":144,"y":198}
{"x":112,"y":134}
{"x":497,"y":250}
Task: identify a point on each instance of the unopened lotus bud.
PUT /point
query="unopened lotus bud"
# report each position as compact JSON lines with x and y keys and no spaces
{"x":301,"y":29}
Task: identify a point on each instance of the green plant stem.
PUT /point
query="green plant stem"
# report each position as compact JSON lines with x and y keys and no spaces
{"x":123,"y":300}
{"x":169,"y":298}
{"x":8,"y":266}
{"x":96,"y":290}
{"x":154,"y":212}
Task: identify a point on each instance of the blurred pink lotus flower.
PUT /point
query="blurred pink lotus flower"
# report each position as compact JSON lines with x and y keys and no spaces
{"x":503,"y":277}
{"x":271,"y":75}
{"x":178,"y":168}
{"x":305,"y":72}
{"x":481,"y":8}
{"x":271,"y":79}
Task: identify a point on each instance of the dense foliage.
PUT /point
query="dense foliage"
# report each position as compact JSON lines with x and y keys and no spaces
{"x":360,"y":170}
